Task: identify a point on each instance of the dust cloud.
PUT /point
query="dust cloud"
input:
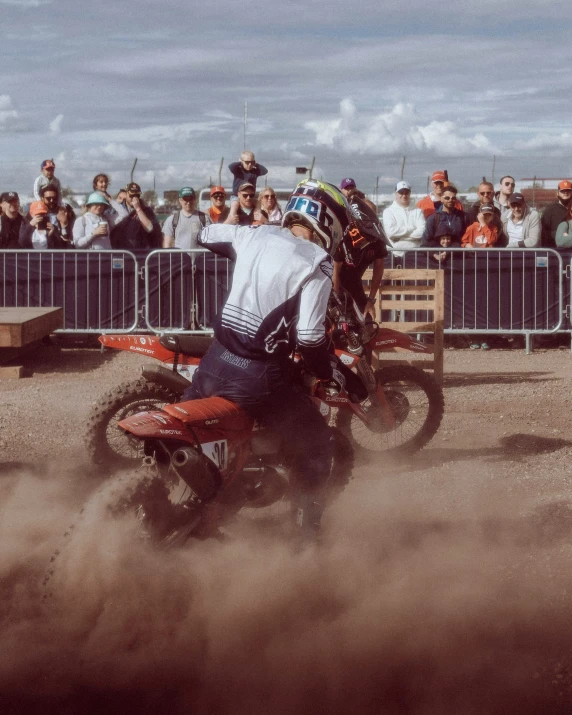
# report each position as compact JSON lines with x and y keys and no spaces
{"x":398,"y":611}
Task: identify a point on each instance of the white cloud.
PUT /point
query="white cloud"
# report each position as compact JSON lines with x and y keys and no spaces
{"x":9,"y":118}
{"x":25,"y":3}
{"x":56,"y":124}
{"x":392,"y":132}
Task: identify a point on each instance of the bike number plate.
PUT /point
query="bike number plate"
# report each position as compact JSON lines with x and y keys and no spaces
{"x":217,"y":452}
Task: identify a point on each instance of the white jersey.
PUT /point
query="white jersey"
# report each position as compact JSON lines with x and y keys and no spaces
{"x":279,"y":295}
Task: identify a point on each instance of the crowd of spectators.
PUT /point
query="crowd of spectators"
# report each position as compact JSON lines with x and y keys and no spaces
{"x":125,"y":221}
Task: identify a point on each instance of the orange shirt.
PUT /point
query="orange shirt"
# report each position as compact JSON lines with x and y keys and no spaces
{"x":216,"y":214}
{"x":478,"y":236}
{"x":428,"y":207}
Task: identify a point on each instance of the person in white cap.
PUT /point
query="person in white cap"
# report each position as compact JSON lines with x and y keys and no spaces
{"x":403,"y":224}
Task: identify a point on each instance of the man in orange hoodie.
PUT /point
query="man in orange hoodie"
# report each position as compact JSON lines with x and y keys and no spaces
{"x":430,"y":203}
{"x":483,"y":233}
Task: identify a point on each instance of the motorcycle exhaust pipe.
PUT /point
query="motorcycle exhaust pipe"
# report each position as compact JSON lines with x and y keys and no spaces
{"x":197,"y":471}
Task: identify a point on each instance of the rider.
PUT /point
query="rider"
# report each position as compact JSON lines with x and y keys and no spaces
{"x":278,"y":302}
{"x":364,"y":243}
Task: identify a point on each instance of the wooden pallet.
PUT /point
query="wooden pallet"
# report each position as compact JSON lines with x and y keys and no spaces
{"x":413,"y":289}
{"x":21,"y":330}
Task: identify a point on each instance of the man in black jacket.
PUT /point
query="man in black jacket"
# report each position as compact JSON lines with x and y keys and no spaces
{"x":10,"y":220}
{"x":555,"y":213}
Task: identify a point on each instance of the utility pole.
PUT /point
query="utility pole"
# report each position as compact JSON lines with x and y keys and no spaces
{"x":133,"y":169}
{"x":220,"y":171}
{"x":311,"y":169}
{"x":402,"y":167}
{"x":376,"y":191}
{"x":245,"y":121}
{"x":493,"y":172}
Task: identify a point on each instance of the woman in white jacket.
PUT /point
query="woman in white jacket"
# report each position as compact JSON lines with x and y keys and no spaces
{"x":403,"y":225}
{"x":92,"y":230}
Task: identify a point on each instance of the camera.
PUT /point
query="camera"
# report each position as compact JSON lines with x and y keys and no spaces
{"x":42,"y":225}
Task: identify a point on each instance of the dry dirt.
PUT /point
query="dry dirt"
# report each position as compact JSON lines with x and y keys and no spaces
{"x":443,"y":584}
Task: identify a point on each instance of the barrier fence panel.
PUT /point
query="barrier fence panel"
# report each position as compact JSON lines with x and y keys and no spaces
{"x":498,"y":291}
{"x":97,"y":290}
{"x":184,"y":290}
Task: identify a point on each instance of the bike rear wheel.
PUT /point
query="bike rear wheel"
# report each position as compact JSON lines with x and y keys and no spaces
{"x":417,"y":404}
{"x":106,"y":444}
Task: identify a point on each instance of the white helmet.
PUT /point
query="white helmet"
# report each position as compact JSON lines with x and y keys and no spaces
{"x":323,"y":208}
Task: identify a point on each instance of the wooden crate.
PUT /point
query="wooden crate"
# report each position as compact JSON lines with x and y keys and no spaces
{"x":424,"y":289}
{"x":22,"y":326}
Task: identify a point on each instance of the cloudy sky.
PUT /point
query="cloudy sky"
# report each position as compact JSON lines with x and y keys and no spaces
{"x":357,"y":85}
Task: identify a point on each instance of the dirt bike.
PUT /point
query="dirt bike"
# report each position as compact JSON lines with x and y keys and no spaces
{"x":398,"y":413}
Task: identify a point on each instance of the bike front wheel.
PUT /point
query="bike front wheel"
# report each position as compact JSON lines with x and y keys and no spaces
{"x":417,"y":404}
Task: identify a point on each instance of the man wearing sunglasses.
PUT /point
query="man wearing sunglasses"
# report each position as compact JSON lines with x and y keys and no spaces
{"x":430,"y":203}
{"x":501,"y":198}
{"x":486,"y":192}
{"x":218,"y":210}
{"x":246,"y":213}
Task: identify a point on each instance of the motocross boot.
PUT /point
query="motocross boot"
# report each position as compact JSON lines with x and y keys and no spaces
{"x":307,"y":510}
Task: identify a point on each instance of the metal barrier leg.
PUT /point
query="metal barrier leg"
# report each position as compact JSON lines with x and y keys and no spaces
{"x":529,"y":343}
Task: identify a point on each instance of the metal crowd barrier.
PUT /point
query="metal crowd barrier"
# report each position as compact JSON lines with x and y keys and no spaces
{"x":97,"y":290}
{"x":487,"y":291}
{"x":496,"y":291}
{"x":184,"y":290}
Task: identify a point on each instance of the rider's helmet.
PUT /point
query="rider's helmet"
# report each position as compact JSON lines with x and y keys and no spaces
{"x":321,"y":207}
{"x":97,"y":198}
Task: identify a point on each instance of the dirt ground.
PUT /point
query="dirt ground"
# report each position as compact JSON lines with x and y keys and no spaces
{"x":443,"y":584}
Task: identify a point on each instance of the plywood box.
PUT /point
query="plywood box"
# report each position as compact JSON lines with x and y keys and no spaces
{"x":21,"y":326}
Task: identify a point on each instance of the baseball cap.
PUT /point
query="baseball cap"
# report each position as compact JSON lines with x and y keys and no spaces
{"x":133,"y":188}
{"x":443,"y":230}
{"x":37,"y":208}
{"x":347,"y":183}
{"x":217,"y":190}
{"x":438,"y":176}
{"x":565,"y":184}
{"x":487,"y":209}
{"x":516,"y":198}
{"x":246,"y":185}
{"x":48,"y":163}
{"x":402,"y":185}
{"x":187,"y":191}
{"x":9,"y":196}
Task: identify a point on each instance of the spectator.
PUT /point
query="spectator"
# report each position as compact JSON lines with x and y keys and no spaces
{"x":430,"y":203}
{"x":348,"y":188}
{"x":66,"y":214}
{"x":522,"y":225}
{"x":267,"y":202}
{"x":247,"y":214}
{"x":554,"y":214}
{"x":245,"y":171}
{"x":446,"y":215}
{"x":501,"y":198}
{"x":93,"y":229}
{"x":486,"y":193}
{"x":59,"y":226}
{"x":563,"y":233}
{"x":140,"y":229}
{"x":47,"y":177}
{"x":37,"y":231}
{"x":403,"y":224}
{"x":181,"y":228}
{"x":444,"y":239}
{"x":10,"y":220}
{"x":218,"y":210}
{"x":115,"y":211}
{"x":482,"y":233}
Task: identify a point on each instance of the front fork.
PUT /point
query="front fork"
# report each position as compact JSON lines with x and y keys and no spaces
{"x":381,"y":411}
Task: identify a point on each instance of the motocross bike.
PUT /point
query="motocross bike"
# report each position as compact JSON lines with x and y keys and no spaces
{"x":206,"y":459}
{"x":399,"y":412}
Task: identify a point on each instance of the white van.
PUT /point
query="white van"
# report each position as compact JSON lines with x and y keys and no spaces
{"x":282,"y":196}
